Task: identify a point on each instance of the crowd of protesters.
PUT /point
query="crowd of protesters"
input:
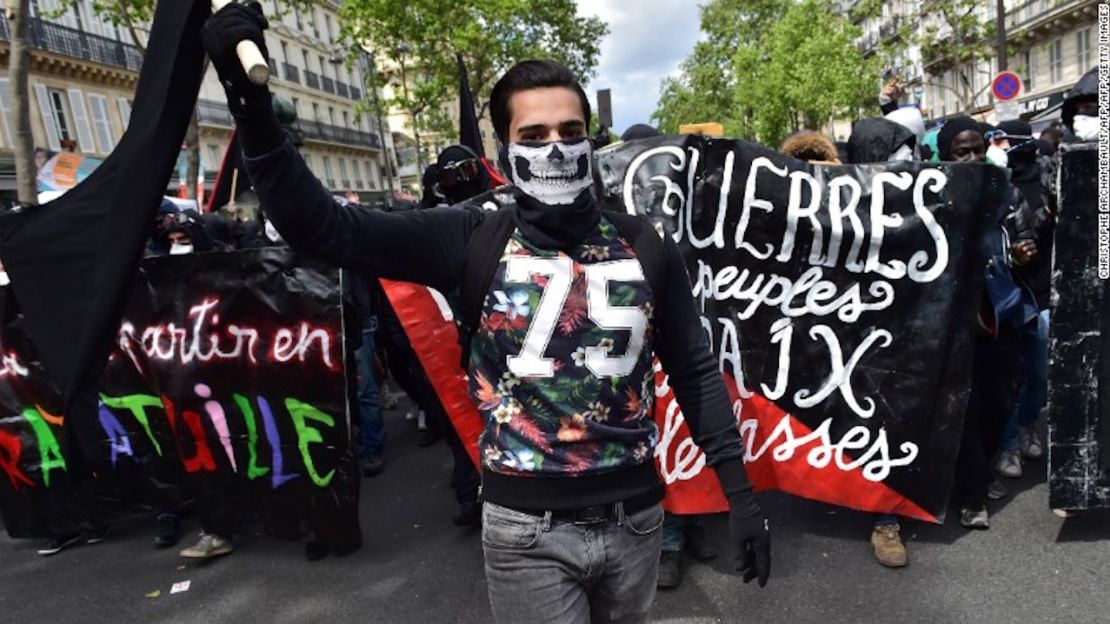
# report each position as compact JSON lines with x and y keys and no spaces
{"x":1009,"y":378}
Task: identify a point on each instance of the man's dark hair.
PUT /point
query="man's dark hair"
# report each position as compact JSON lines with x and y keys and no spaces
{"x":525,"y":75}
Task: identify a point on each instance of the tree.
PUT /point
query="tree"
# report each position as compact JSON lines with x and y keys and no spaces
{"x":959,"y":36}
{"x":415,"y":44}
{"x":767,"y":69}
{"x":19,"y":69}
{"x":803,"y":71}
{"x":703,"y":92}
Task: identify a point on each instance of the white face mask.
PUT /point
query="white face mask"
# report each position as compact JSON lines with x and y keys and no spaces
{"x":4,"y":280}
{"x":904,"y":153}
{"x":998,"y":156}
{"x":553,"y":173}
{"x":1086,"y":127}
{"x":177,"y":249}
{"x":272,"y":233}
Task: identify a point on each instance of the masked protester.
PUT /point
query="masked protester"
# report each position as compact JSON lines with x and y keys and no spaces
{"x":460,"y":175}
{"x":994,"y":369}
{"x":1020,"y":440}
{"x":567,"y":456}
{"x":1081,"y":111}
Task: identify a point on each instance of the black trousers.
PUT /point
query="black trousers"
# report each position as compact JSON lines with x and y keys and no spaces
{"x":993,"y":388}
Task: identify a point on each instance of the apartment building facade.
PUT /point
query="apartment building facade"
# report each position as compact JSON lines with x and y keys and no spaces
{"x":84,"y":71}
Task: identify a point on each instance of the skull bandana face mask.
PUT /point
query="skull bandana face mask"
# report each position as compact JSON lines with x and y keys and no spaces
{"x":553,"y":173}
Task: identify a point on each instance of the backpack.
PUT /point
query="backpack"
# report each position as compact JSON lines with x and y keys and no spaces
{"x":487,"y":244}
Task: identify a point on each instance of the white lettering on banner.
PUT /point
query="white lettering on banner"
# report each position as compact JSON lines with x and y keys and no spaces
{"x":844,"y":196}
{"x":840,"y":242}
{"x":681,"y":460}
{"x":207,"y":340}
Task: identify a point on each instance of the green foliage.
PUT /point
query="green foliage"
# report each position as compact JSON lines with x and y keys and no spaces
{"x":769,"y":68}
{"x":416,"y":43}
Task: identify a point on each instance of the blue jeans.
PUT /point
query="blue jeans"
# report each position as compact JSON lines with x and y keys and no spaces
{"x":370,"y":424}
{"x":1032,"y":382}
{"x":540,"y":570}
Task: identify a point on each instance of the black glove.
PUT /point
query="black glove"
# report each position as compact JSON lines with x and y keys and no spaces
{"x":225,"y":30}
{"x":750,"y":533}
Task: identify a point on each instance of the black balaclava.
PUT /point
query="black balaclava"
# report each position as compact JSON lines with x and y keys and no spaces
{"x":950,"y":130}
{"x":1022,"y":160}
{"x":462,"y":191}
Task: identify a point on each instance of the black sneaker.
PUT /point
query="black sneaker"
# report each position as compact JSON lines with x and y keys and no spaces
{"x":470,"y":514}
{"x":373,"y":466}
{"x":58,"y":544}
{"x":169,"y":531}
{"x":670,"y":569}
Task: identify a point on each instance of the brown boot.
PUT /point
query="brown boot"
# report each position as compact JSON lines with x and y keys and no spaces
{"x":889,"y":549}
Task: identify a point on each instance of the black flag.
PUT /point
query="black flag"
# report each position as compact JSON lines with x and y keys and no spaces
{"x":226,"y":177}
{"x":72,"y":261}
{"x":469,"y":133}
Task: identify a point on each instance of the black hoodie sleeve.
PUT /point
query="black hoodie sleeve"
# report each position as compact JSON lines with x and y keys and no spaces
{"x":422,"y":246}
{"x":699,"y":387}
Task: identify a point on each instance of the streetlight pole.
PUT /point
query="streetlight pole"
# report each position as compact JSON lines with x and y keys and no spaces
{"x":1003,"y":60}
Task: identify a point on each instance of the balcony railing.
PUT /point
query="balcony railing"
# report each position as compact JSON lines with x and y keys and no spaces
{"x":342,"y":90}
{"x":291,"y":72}
{"x":344,"y":136}
{"x":346,"y":184}
{"x":327,"y":84}
{"x":311,"y":79}
{"x":51,"y":37}
{"x":215,"y":113}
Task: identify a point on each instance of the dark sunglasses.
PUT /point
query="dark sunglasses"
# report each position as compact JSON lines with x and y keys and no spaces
{"x":458,"y":172}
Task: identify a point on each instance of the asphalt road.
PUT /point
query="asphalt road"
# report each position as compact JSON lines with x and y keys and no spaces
{"x":416,"y":567}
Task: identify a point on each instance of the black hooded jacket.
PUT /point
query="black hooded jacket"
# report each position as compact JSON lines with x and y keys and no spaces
{"x":874,"y":140}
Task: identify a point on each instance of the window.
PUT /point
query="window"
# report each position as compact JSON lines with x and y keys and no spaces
{"x":330,"y":31}
{"x":49,"y":119}
{"x":102,"y":124}
{"x":323,"y":65}
{"x":374,"y":174}
{"x":358,"y":173}
{"x":80,"y":119}
{"x":1056,"y":60}
{"x":297,"y":17}
{"x":1031,"y":69}
{"x":297,"y":106}
{"x":124,"y":111}
{"x":327,"y":172}
{"x":331,"y":115}
{"x":304,"y":55}
{"x":284,"y":52}
{"x":315,"y":111}
{"x":346,"y":119}
{"x":5,"y":109}
{"x":1083,"y":49}
{"x":343,"y":174}
{"x":215,"y":159}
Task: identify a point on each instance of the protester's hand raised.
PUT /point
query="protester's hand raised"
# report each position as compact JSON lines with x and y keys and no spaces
{"x":750,"y":533}
{"x":223,"y":32}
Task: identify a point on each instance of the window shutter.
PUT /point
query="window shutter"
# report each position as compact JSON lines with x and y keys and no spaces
{"x":98,"y":105}
{"x":81,"y":120}
{"x":124,"y":112}
{"x":48,"y":121}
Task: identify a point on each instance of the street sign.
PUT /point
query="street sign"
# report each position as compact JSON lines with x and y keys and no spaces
{"x":1006,"y":86}
{"x":1007,"y":111}
{"x":605,"y":108}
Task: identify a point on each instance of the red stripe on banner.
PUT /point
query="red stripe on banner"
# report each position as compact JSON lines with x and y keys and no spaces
{"x":436,"y":342}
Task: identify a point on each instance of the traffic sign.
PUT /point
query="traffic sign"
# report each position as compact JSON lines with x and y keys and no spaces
{"x":1006,"y":86}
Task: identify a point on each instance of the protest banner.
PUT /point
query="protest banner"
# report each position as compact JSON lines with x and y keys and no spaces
{"x":1078,"y":408}
{"x":840,"y":302}
{"x":228,"y":378}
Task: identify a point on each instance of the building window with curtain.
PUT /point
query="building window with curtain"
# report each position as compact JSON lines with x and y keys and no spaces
{"x":1056,"y":60}
{"x":1083,"y":49}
